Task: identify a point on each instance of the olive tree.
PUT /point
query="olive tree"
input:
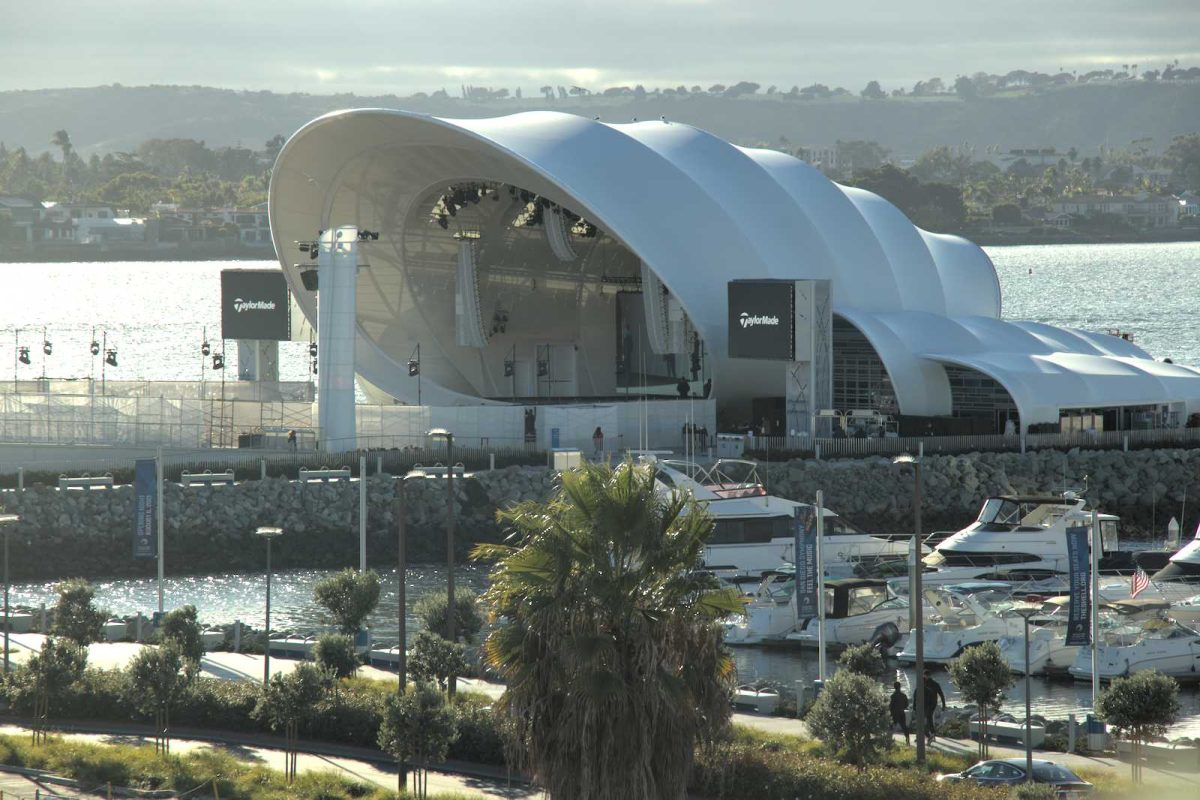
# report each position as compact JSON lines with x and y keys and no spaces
{"x":349,"y":597}
{"x":982,"y":675}
{"x":851,"y":717}
{"x":1142,"y":706}
{"x":55,"y":667}
{"x":182,"y":627}
{"x":288,"y":701}
{"x":159,"y":675}
{"x":436,"y":659}
{"x":418,"y":728}
{"x":76,"y":618}
{"x":335,"y":653}
{"x":433,"y":611}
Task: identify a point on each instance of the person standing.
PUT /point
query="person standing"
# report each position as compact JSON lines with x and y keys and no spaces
{"x":598,"y":443}
{"x":292,"y":440}
{"x":933,"y":693}
{"x":898,"y":707}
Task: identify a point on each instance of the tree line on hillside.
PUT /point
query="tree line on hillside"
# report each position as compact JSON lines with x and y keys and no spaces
{"x":182,"y":171}
{"x":979,"y":84}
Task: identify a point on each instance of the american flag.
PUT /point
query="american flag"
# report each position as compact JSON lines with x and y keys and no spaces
{"x":1138,"y":581}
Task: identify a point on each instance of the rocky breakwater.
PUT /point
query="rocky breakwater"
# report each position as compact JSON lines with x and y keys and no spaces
{"x":211,"y":529}
{"x":1144,"y":487}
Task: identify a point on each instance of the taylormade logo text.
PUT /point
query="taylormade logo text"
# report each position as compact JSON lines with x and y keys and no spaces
{"x":749,"y":321}
{"x":240,"y":305}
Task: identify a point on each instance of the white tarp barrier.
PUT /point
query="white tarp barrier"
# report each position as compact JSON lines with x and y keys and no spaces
{"x":468,"y":320}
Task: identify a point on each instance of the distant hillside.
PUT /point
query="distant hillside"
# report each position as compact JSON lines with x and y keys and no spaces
{"x":114,"y":118}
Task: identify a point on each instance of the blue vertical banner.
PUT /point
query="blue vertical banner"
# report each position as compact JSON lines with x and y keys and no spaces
{"x":1079,"y":610}
{"x":145,"y":473}
{"x":804,"y":532}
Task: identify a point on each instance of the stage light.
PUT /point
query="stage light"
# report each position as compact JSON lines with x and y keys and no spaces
{"x":23,"y":355}
{"x":443,"y":222}
{"x":312,"y":349}
{"x":110,"y":357}
{"x":414,"y":368}
{"x":95,"y":348}
{"x":543,"y":368}
{"x":365,"y":235}
{"x":205,"y":348}
{"x":509,"y":368}
{"x":218,"y":361}
{"x":47,"y":347}
{"x":314,"y":366}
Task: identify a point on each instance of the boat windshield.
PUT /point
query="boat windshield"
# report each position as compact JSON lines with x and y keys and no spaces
{"x":1003,"y":514}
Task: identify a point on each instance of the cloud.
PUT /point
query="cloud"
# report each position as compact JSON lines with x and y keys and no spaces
{"x":403,"y":46}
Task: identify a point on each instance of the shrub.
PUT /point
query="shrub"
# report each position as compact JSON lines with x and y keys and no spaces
{"x":1033,"y":791}
{"x":851,"y":717}
{"x":435,"y":659}
{"x":736,"y":770}
{"x":76,"y":619}
{"x":431,"y":610}
{"x":47,"y":673}
{"x":864,"y":659}
{"x":349,"y":596}
{"x":182,"y":627}
{"x":334,"y":652}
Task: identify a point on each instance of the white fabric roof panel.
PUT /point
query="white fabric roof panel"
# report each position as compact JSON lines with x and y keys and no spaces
{"x":700,"y":212}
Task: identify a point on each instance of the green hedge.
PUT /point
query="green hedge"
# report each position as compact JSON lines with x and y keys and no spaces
{"x":770,"y":771}
{"x":351,"y":715}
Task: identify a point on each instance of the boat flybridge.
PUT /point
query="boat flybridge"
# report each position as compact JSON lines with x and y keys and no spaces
{"x":753,"y":530}
{"x":1018,"y":536}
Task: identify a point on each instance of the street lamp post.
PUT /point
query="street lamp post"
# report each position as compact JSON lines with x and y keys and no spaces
{"x":268,"y":534}
{"x":6,"y":523}
{"x":451,"y":609}
{"x":401,"y":594}
{"x":918,"y":627}
{"x":1026,"y":612}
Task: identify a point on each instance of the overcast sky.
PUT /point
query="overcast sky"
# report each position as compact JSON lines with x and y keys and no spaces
{"x":403,"y":46}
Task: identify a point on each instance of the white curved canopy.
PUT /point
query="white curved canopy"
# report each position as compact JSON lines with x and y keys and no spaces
{"x":699,"y":212}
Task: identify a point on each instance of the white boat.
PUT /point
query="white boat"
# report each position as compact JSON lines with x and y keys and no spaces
{"x":1183,"y":567}
{"x":770,"y":614}
{"x":1163,"y":645}
{"x":857,"y":610}
{"x":1049,"y":653}
{"x":753,"y":531}
{"x":960,"y":615}
{"x":1024,"y":537}
{"x":1186,"y":611}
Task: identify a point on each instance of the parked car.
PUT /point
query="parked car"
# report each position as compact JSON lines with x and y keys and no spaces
{"x":1010,"y":771}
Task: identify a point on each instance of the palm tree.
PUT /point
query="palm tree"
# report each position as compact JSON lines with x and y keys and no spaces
{"x":609,"y":639}
{"x":62,"y":140}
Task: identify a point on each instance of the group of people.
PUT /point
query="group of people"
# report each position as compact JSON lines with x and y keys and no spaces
{"x":698,"y":434}
{"x":899,"y":705}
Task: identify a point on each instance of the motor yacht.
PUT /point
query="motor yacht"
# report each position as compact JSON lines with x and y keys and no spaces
{"x":770,"y":611}
{"x":1163,"y":645}
{"x":1186,"y":611}
{"x":1049,"y":653}
{"x":753,"y":531}
{"x":857,"y":610}
{"x":1018,"y":536}
{"x":963,"y":614}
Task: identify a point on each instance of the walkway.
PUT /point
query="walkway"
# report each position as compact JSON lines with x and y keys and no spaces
{"x":353,"y":763}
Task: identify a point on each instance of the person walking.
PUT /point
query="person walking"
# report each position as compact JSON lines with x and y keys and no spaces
{"x":933,"y":693}
{"x":598,"y":443}
{"x":899,"y":707}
